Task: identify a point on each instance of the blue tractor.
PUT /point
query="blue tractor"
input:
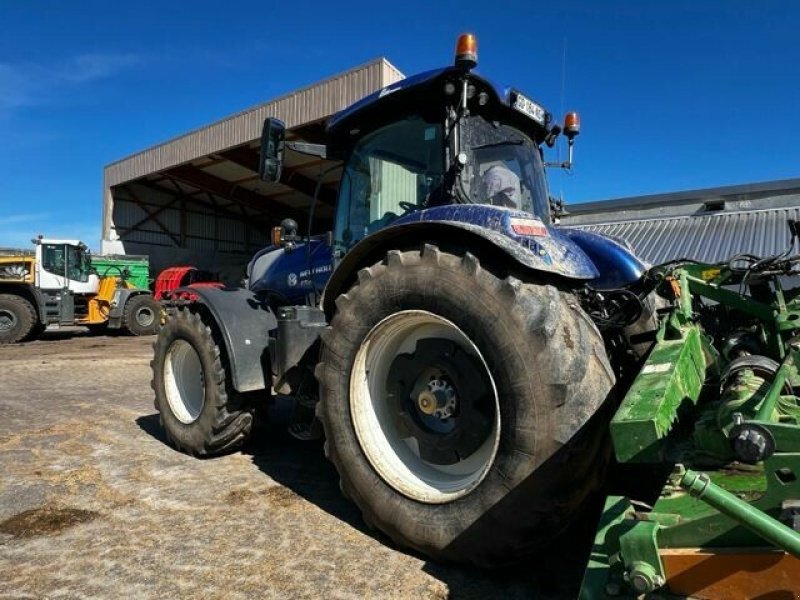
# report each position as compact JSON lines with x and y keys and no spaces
{"x":456,"y":349}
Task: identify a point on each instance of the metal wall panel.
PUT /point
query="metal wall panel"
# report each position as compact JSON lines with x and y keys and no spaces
{"x":707,"y":238}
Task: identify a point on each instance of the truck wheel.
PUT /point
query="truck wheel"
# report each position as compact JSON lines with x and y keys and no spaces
{"x":17,"y":319}
{"x":462,"y":409}
{"x":142,"y":315}
{"x":200,"y":412}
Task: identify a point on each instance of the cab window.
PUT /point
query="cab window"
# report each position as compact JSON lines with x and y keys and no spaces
{"x":391,"y":172}
{"x":77,"y":267}
{"x":54,"y":259}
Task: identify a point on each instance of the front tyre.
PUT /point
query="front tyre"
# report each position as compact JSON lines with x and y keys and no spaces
{"x":458,"y":404}
{"x":199,"y":410}
{"x":142,"y":315}
{"x":18,"y":319}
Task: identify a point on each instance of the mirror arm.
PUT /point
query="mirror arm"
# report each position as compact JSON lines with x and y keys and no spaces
{"x":320,"y":150}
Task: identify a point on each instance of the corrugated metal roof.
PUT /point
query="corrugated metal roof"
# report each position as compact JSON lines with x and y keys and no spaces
{"x":743,"y":196}
{"x":299,"y":109}
{"x":305,"y":105}
{"x":707,"y":238}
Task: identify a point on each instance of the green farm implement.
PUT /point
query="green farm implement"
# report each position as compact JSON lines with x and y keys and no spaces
{"x":715,"y":410}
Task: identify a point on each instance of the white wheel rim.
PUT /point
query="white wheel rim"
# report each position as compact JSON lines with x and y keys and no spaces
{"x":397,"y":458}
{"x":145,"y":316}
{"x":184,"y":381}
{"x":7,"y":320}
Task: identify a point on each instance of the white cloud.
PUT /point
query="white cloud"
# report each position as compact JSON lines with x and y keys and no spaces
{"x":27,"y":84}
{"x":7,"y":220}
{"x":17,"y":230}
{"x":88,"y":67}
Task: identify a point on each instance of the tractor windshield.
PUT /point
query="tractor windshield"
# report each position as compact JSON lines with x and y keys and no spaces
{"x":390,"y":172}
{"x":504,"y":167}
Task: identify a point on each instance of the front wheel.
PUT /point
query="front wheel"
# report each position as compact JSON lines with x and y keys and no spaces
{"x":142,"y":315}
{"x":18,"y":319}
{"x":199,"y":410}
{"x":458,"y":406}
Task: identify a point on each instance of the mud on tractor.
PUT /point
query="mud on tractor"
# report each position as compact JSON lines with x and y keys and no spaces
{"x":57,"y":284}
{"x":473,"y":367}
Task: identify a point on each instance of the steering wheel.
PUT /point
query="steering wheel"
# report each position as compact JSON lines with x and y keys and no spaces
{"x":408,"y":207}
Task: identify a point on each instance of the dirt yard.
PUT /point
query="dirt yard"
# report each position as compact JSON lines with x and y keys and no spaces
{"x":95,"y":504}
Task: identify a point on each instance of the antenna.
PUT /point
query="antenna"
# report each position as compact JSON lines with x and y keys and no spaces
{"x":563,"y":71}
{"x":563,"y":85}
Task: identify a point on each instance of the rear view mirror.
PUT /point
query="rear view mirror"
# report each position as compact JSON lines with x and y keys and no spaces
{"x":272,"y":145}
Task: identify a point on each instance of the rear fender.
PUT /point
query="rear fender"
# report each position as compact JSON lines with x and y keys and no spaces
{"x":244,"y":322}
{"x":552,"y":254}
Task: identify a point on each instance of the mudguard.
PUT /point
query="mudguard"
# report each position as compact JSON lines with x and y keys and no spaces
{"x":485,"y":230}
{"x":118,"y":302}
{"x":245,"y":322}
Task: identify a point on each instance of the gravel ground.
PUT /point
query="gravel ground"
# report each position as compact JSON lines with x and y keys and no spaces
{"x":95,"y":504}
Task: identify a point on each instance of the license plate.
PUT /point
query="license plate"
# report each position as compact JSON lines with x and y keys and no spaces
{"x":528,"y":107}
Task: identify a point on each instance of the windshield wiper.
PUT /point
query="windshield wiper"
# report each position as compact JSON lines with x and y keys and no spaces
{"x":503,"y":143}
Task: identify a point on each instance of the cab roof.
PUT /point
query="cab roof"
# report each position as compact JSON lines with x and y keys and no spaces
{"x":424,"y":93}
{"x":63,"y":242}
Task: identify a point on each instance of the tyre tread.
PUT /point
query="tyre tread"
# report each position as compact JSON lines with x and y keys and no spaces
{"x":552,"y":319}
{"x":231,"y":420}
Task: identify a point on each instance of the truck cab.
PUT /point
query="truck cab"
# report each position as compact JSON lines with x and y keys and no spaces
{"x":64,"y":279}
{"x":57,"y":285}
{"x":65,"y":265}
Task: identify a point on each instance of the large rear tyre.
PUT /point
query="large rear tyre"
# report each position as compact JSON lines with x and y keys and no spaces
{"x":17,"y":319}
{"x":199,"y":410}
{"x":458,"y":405}
{"x":142,"y":315}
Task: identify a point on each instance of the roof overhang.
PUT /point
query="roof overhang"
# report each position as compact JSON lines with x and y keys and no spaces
{"x":217,"y":165}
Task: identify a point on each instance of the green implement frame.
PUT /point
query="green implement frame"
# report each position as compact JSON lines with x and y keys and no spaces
{"x":734,"y":452}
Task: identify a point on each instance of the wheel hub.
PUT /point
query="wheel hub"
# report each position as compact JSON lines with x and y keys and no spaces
{"x":438,"y":399}
{"x":184,"y":381}
{"x":7,"y":320}
{"x":145,"y":317}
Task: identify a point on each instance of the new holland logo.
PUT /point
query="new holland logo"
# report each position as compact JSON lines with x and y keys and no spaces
{"x":292,"y":279}
{"x":386,"y":91}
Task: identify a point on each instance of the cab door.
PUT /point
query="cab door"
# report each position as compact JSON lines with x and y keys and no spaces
{"x":52,"y":281}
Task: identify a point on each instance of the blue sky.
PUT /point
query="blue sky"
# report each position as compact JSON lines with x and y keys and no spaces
{"x":673,"y":95}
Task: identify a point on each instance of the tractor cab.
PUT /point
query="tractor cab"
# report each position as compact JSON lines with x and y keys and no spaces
{"x":65,"y":265}
{"x":447,"y":146}
{"x":443,"y":137}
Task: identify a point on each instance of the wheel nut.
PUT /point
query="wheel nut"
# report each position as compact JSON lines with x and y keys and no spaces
{"x":427,"y":402}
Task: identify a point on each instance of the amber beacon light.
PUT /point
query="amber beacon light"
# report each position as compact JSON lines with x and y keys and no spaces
{"x":572,"y":124}
{"x":467,"y":51}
